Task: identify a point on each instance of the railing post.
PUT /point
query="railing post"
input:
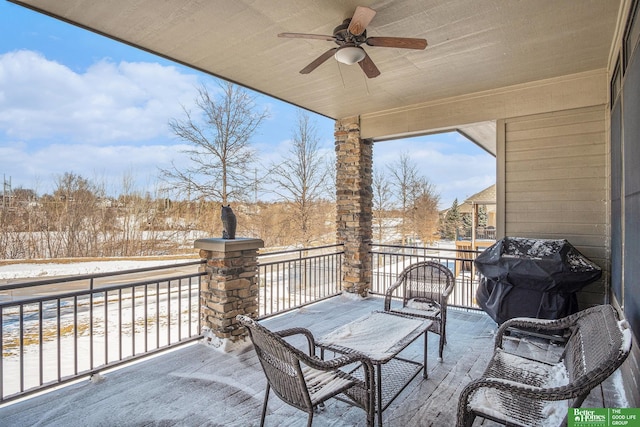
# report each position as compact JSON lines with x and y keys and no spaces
{"x":230,"y":288}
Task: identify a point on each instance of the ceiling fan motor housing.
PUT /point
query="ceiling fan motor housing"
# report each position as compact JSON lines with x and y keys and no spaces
{"x":343,"y":36}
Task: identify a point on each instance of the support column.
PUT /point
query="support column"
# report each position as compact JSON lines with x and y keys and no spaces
{"x":354,"y":204}
{"x":229,"y":288}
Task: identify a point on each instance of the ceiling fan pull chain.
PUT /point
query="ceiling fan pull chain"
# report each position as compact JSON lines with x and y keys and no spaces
{"x":344,"y":86}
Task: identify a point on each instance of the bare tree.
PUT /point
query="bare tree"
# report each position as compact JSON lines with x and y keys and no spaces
{"x":220,"y":135}
{"x":382,"y":197}
{"x":300,"y":178}
{"x":404,"y":177}
{"x":73,"y":206}
{"x":425,"y":214}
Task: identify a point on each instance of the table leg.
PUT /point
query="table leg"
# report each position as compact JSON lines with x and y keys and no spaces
{"x":424,"y":362}
{"x":379,"y":393}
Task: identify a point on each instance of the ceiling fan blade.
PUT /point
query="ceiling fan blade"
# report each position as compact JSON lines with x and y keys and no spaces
{"x":399,"y":42}
{"x":361,"y":18}
{"x":369,"y":67}
{"x":307,"y":36}
{"x":319,"y":60}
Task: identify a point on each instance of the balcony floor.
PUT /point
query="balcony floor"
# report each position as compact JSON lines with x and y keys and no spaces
{"x":198,"y":386}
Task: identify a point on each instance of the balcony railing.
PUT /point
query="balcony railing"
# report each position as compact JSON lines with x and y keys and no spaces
{"x":74,"y":327}
{"x":293,"y":278}
{"x":388,"y":261}
{"x":482,"y":233}
{"x":62,"y":329}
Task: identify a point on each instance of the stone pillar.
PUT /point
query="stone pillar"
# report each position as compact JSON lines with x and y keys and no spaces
{"x":229,"y":288}
{"x":354,"y":204}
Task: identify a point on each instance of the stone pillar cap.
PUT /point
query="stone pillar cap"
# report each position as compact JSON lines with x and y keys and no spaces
{"x":228,"y":245}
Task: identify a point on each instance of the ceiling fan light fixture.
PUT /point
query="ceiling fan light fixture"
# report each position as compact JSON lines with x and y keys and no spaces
{"x":349,"y":55}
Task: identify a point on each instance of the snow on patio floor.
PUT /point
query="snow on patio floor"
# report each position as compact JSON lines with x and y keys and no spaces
{"x":199,"y":386}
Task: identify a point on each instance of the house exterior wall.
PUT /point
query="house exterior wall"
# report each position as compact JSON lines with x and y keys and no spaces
{"x":556,"y":185}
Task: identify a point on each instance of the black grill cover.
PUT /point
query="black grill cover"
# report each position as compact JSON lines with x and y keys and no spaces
{"x":532,"y":278}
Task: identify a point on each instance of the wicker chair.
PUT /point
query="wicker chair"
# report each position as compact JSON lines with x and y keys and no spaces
{"x":424,"y":288}
{"x":305,"y":381}
{"x":516,"y":390}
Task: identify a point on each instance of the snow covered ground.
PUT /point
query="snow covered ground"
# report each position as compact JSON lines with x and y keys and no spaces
{"x":51,"y":269}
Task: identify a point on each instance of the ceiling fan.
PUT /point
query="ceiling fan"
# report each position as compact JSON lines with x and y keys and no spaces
{"x":350,"y":36}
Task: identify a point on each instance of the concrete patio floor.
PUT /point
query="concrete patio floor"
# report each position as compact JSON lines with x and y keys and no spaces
{"x":196,"y":385}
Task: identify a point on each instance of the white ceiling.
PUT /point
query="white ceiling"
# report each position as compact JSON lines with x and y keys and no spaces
{"x":473,"y":45}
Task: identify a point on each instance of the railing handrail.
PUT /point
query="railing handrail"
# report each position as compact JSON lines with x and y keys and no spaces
{"x":100,"y":290}
{"x":76,"y":278}
{"x":313,"y":248}
{"x":264,"y":264}
{"x":422,"y":248}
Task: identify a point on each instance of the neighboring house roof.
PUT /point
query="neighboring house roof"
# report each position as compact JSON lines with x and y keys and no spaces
{"x":484,"y":197}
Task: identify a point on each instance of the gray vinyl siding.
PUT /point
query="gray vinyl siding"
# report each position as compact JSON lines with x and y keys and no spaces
{"x":556,"y":183}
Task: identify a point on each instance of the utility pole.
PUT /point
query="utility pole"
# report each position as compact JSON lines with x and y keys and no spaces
{"x":6,"y":192}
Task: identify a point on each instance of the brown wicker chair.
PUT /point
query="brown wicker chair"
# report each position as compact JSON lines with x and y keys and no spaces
{"x":518,"y":391}
{"x":424,"y":288}
{"x":305,"y":381}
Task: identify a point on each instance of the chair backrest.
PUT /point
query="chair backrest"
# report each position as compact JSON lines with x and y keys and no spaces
{"x":281,"y":364}
{"x":426,"y":280}
{"x":597,"y":346}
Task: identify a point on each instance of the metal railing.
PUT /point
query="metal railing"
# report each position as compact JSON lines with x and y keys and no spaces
{"x":73,"y":327}
{"x":58,"y":330}
{"x":388,"y":261}
{"x":294,"y":278}
{"x":482,"y":233}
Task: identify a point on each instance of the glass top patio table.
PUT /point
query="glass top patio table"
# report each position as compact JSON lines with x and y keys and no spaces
{"x":381,"y":336}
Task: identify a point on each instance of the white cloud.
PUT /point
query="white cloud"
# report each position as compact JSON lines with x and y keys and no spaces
{"x":108,"y":103}
{"x":456,"y":167}
{"x":105,"y":165}
{"x":102,"y":123}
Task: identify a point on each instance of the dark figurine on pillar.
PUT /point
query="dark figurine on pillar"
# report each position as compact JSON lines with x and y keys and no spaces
{"x":228,"y":223}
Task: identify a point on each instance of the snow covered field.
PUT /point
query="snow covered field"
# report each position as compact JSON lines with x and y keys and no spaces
{"x":37,"y":271}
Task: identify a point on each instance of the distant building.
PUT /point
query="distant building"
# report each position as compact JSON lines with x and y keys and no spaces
{"x":471,"y":206}
{"x":479,"y":235}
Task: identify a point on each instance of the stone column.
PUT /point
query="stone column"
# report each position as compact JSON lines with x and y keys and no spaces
{"x":229,"y":288}
{"x":354,"y":204}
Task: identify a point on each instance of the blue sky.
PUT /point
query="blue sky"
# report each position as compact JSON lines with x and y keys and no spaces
{"x":74,"y":101}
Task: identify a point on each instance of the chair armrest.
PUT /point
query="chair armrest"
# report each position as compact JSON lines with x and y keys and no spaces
{"x":300,"y":331}
{"x":448,"y":290}
{"x":326,"y":365}
{"x":550,"y":394}
{"x":339,"y":362}
{"x":389,"y":293}
{"x":532,"y":323}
